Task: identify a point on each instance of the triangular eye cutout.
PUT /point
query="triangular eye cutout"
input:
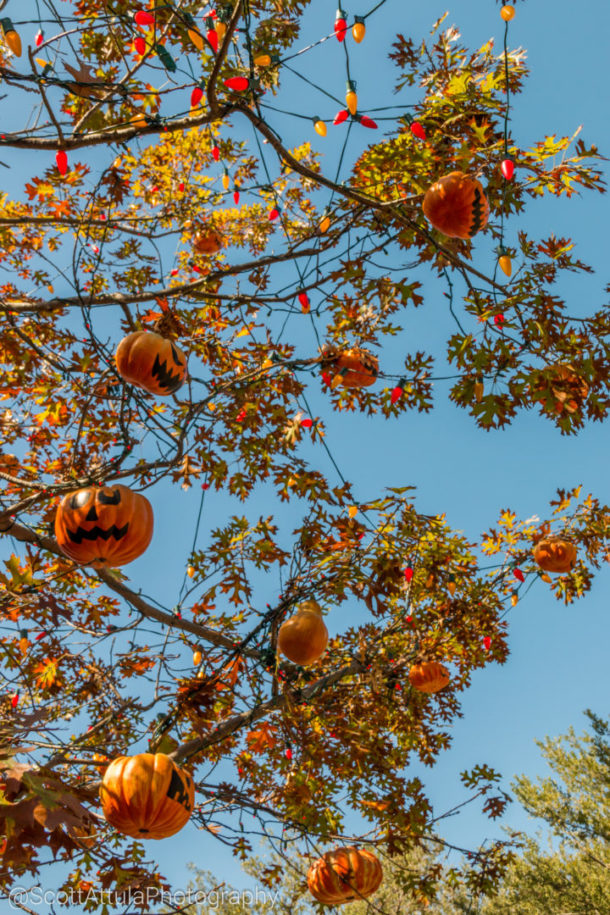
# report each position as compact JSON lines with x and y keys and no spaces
{"x":91,"y":514}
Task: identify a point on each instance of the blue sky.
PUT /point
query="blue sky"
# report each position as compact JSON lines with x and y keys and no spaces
{"x":558,"y":662}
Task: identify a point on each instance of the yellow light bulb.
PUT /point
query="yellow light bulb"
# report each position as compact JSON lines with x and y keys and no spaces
{"x":325,"y":224}
{"x":190,"y":571}
{"x":197,"y":656}
{"x":507,"y":12}
{"x":196,"y":38}
{"x":263,"y":60}
{"x":226,"y":181}
{"x":358,"y":30}
{"x":320,"y":127}
{"x":514,"y":599}
{"x":505,"y":264}
{"x":221,"y":30}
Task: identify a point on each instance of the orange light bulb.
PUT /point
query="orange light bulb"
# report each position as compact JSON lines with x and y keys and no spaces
{"x":351,"y":99}
{"x":320,"y":126}
{"x":358,"y":30}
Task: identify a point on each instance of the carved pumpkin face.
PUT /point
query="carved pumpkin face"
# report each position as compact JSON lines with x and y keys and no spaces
{"x":151,"y":362}
{"x":569,"y":390}
{"x":104,"y":525}
{"x":354,"y":368}
{"x":456,"y":205}
{"x":303,"y":637}
{"x":344,"y":875}
{"x":208,"y":241}
{"x":429,"y":676}
{"x":147,"y":796}
{"x":554,"y":554}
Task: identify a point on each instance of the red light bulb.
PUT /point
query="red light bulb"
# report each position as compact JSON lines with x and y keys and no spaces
{"x":418,"y":131}
{"x":519,"y":575}
{"x":487,"y":642}
{"x":39,"y":38}
{"x":367,"y":122}
{"x":236,"y":195}
{"x":508,"y":169}
{"x":397,"y":393}
{"x":211,"y":34}
{"x":237,"y":83}
{"x":142,"y":17}
{"x":307,"y":423}
{"x":341,"y":116}
{"x":215,"y":153}
{"x":340,"y":25}
{"x":408,"y":574}
{"x":274,"y":213}
{"x":304,"y":301}
{"x":140,"y":45}
{"x":196,"y":96}
{"x":62,"y":161}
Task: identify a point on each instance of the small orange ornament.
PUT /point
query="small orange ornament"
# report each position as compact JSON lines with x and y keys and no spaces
{"x":555,"y":554}
{"x":344,"y":875}
{"x":208,"y":241}
{"x":303,"y":637}
{"x":507,"y":12}
{"x":354,"y":368}
{"x":456,"y":205}
{"x":429,"y":676}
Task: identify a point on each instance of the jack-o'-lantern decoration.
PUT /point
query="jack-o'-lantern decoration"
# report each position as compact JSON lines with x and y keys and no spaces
{"x":351,"y":368}
{"x":150,"y":361}
{"x":456,"y":205}
{"x":147,"y":796}
{"x":569,"y":390}
{"x":208,"y":241}
{"x":344,"y":875}
{"x":429,"y":676}
{"x":303,"y":637}
{"x":104,"y":526}
{"x":555,"y":554}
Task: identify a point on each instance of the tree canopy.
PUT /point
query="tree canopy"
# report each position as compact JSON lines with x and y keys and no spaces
{"x":166,"y":202}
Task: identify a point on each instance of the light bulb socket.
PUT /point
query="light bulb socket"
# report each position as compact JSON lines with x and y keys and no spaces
{"x":350,"y":85}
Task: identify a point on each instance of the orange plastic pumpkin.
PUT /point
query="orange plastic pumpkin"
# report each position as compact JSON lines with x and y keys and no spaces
{"x":344,"y":875}
{"x":569,"y":389}
{"x":429,"y":676}
{"x":104,"y":525}
{"x":151,"y":362}
{"x":303,"y":637}
{"x":147,"y":796}
{"x":555,"y":554}
{"x":208,"y":241}
{"x":456,"y":205}
{"x":355,"y":368}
